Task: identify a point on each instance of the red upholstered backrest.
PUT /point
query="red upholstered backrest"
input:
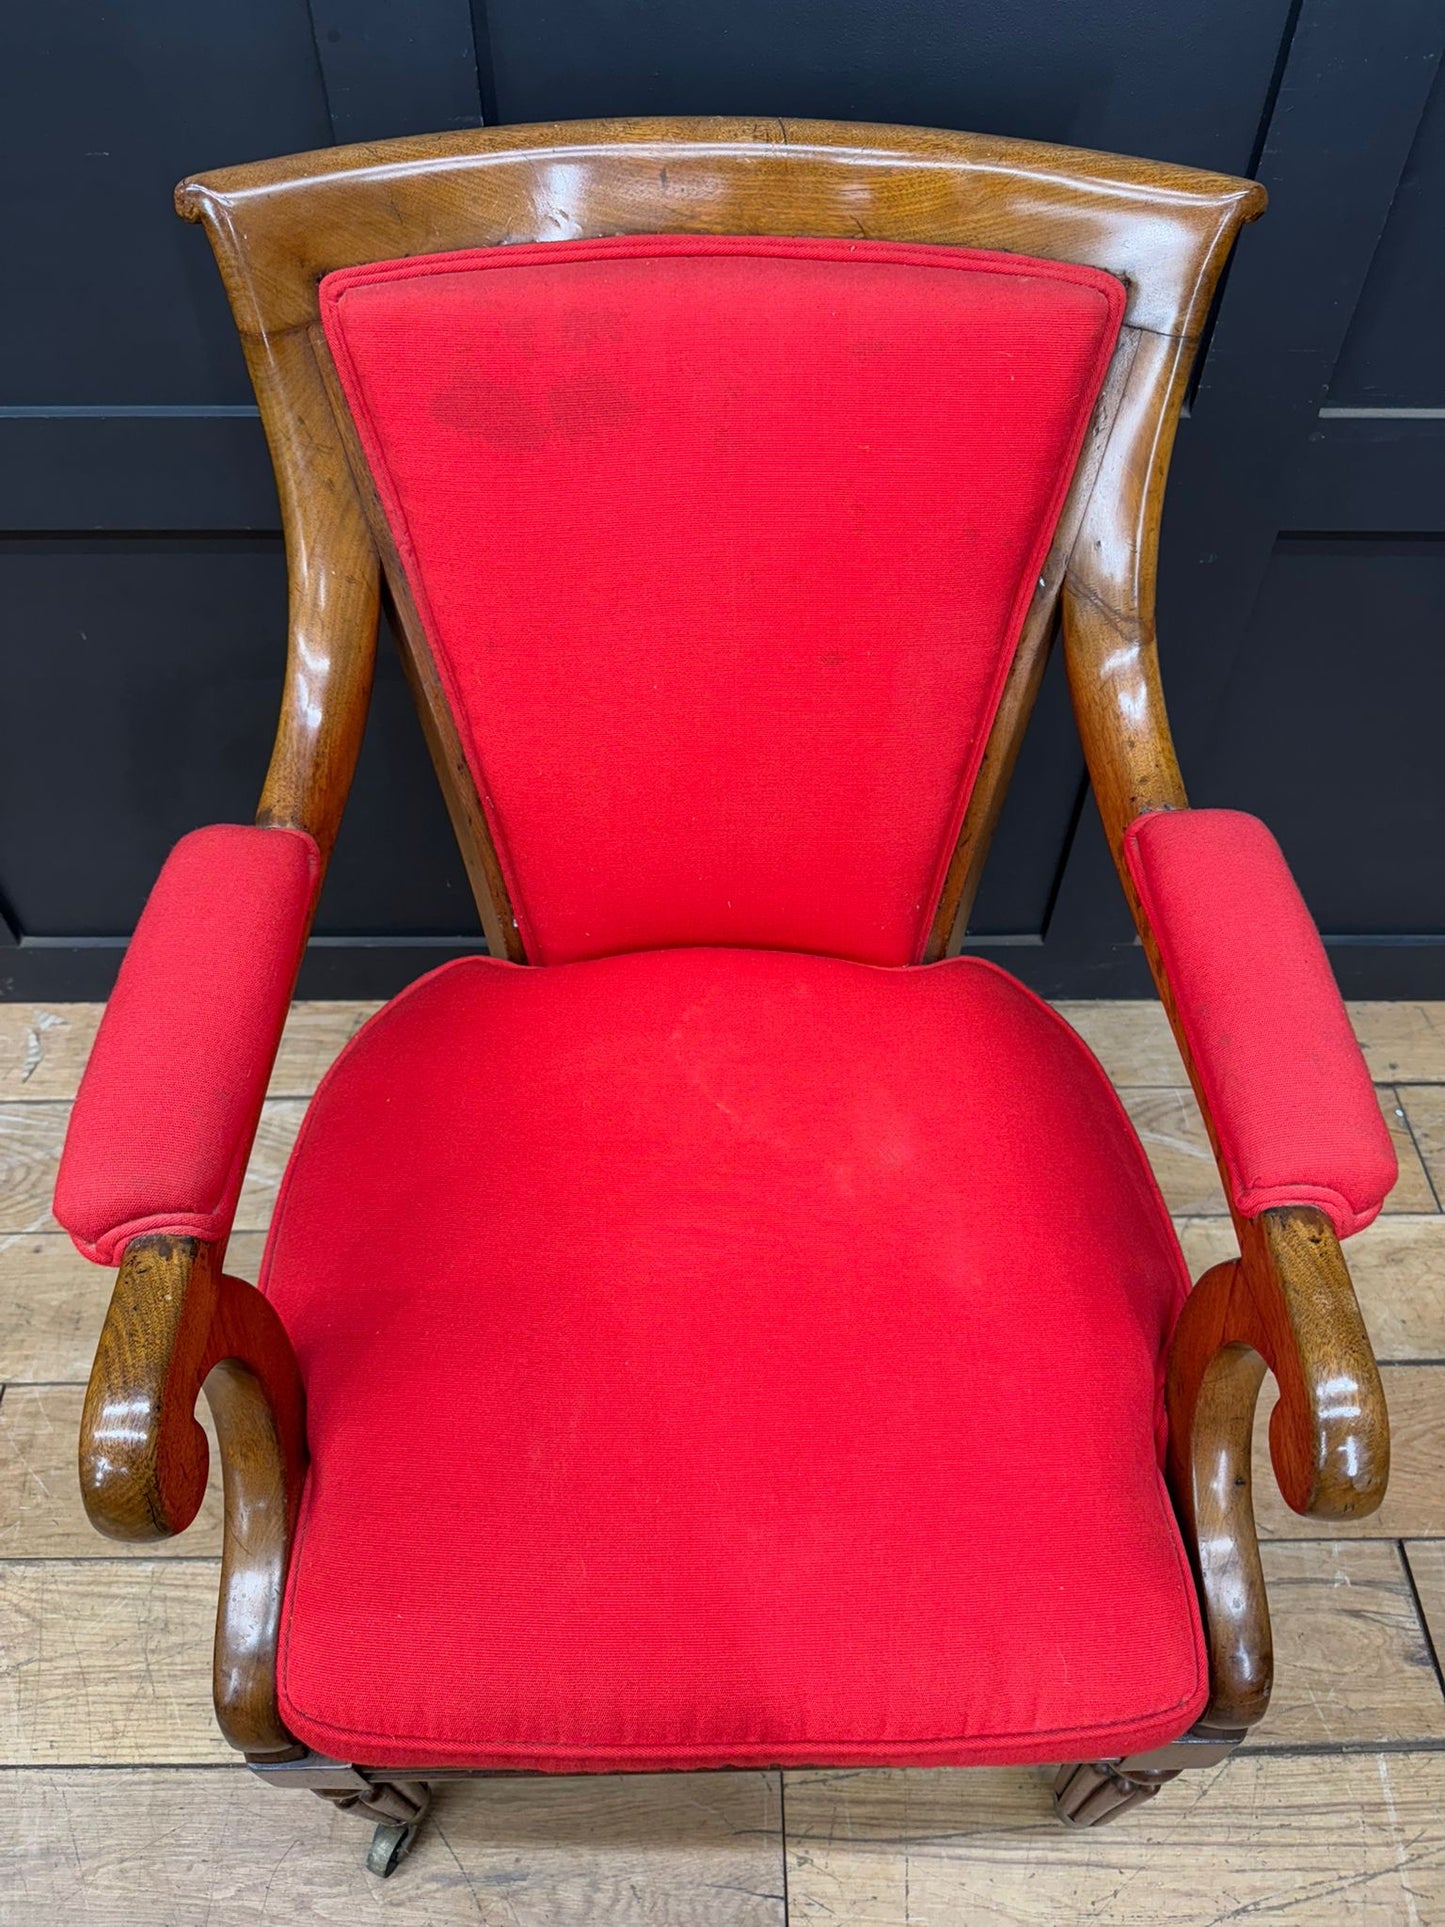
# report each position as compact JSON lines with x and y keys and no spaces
{"x":722,"y":547}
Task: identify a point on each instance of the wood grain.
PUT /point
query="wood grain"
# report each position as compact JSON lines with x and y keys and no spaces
{"x":1025,"y":673}
{"x":108,"y":1662}
{"x":53,"y":1307}
{"x":1168,"y":1122}
{"x":1424,"y":1109}
{"x":1414,"y":1506}
{"x":54,"y":1304}
{"x":43,"y":1047}
{"x":55,"y":1301}
{"x":1285,"y":1304}
{"x":218,"y":1849}
{"x":1173,"y":1134}
{"x":32,"y":1134}
{"x":1352,"y":1662}
{"x":178,"y":1324}
{"x":41,"y":1515}
{"x":1426,"y":1560}
{"x":1397,"y":1263}
{"x":30,"y":1139}
{"x":1402,"y":1042}
{"x":280,"y":1121}
{"x":1130,"y":1037}
{"x":440,"y":727}
{"x":277,"y":227}
{"x":1346,"y":1841}
{"x":1178,"y":1148}
{"x":314,"y":1036}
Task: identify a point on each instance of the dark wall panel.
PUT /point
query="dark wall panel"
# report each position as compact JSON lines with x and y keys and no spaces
{"x":397,"y":66}
{"x":1333,"y":729}
{"x":1186,"y":81}
{"x":141,"y":573}
{"x":104,"y":108}
{"x":1393,"y":353}
{"x":1036,"y":821}
{"x":396,"y":870}
{"x":148,"y":706}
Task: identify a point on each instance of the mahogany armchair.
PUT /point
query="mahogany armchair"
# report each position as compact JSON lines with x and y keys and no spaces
{"x":750,"y":1335}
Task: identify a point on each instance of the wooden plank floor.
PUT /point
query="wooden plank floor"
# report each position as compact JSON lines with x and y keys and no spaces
{"x":121,"y":1805}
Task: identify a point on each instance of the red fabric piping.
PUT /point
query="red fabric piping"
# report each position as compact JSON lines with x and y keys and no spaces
{"x":1021,"y":1747}
{"x":335,"y":286}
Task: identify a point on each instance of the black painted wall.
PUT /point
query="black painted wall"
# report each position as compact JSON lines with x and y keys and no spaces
{"x":141,"y":576}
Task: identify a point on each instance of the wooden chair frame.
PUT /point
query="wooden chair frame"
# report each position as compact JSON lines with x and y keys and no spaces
{"x":178,"y":1324}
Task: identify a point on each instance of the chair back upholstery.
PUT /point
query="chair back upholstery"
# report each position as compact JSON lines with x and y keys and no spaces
{"x":725,"y":476}
{"x":721,"y":549}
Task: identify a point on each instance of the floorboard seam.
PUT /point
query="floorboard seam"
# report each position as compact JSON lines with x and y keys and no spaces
{"x":1420,"y":1612}
{"x":783,"y":1838}
{"x":1284,"y":1750}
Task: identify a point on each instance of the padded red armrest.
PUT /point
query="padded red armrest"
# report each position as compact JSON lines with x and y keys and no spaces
{"x":1286,"y":1085}
{"x":168,"y":1105}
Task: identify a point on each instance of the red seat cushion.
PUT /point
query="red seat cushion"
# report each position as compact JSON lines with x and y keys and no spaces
{"x":724,"y":1358}
{"x":722,"y":547}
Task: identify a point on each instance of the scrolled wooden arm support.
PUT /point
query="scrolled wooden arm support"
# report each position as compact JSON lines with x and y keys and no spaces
{"x":179,"y":1325}
{"x":1285,"y":1305}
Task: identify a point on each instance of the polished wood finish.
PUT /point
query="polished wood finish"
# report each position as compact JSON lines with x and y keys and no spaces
{"x":1414,"y":1505}
{"x":109,"y":1659}
{"x":1097,"y":1791}
{"x":334,"y":595}
{"x":1286,"y":1305}
{"x":178,"y":1325}
{"x":1110,"y":647}
{"x":41,"y":1514}
{"x":279,"y":226}
{"x":1211,"y":1418}
{"x":1026,"y":672}
{"x":108,"y":1669}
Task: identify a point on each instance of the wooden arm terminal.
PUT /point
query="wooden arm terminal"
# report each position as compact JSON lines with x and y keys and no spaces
{"x":177,"y":1326}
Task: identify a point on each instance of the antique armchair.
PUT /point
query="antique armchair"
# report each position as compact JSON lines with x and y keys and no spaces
{"x":749,"y":1335}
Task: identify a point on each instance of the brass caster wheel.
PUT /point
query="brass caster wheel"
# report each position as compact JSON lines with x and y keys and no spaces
{"x":390,"y":1845}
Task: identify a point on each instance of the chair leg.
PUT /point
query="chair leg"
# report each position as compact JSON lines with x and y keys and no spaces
{"x":1090,"y":1793}
{"x":397,"y":1806}
{"x":1093,"y":1792}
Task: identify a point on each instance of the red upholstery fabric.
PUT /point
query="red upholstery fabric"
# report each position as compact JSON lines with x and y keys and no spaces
{"x":1287,"y":1088}
{"x":727,"y":1357}
{"x":167,"y":1108}
{"x":722,"y":547}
